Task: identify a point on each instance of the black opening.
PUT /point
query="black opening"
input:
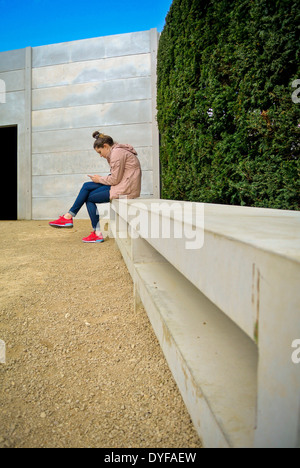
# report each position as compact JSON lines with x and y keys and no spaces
{"x":9,"y":177}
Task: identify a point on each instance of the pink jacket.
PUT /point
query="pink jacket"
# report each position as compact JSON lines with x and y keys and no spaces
{"x":126,"y":175}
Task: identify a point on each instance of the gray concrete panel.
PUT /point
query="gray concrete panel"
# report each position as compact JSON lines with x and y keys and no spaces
{"x":12,"y":60}
{"x":66,"y":52}
{"x":59,"y":185}
{"x":14,"y":80}
{"x":70,"y":184}
{"x":80,"y":162}
{"x":92,"y":93}
{"x":127,"y":44}
{"x":91,"y":49}
{"x":72,"y":162}
{"x":81,"y":139}
{"x":121,"y":113}
{"x":92,"y":71}
{"x":51,"y":208}
{"x":147,"y":183}
{"x":12,"y":112}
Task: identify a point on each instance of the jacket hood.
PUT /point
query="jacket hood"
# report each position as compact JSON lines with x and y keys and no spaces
{"x":125,"y":147}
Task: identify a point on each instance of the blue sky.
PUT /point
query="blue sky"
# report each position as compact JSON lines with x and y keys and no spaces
{"x":40,"y":22}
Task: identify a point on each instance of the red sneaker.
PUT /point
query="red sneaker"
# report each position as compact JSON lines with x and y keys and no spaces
{"x":92,"y":238}
{"x":62,"y":222}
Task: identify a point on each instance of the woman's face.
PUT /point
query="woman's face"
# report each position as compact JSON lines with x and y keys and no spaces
{"x":104,"y":151}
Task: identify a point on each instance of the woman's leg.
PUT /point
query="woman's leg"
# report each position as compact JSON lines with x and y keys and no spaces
{"x":99,"y":195}
{"x":83,"y":195}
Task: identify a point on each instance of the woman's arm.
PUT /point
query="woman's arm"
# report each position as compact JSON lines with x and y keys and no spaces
{"x":117,"y":168}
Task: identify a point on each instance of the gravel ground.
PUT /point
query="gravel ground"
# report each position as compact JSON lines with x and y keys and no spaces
{"x":83,"y":369}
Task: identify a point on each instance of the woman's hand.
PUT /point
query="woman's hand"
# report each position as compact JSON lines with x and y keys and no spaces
{"x":95,"y":178}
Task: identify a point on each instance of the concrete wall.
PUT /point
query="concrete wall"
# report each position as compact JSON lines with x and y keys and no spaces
{"x":59,"y":94}
{"x":15,"y":109}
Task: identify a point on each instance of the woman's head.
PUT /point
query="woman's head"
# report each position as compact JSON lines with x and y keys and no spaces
{"x":103,"y":144}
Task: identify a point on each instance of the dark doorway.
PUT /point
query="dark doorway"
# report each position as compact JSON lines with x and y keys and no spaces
{"x":9,"y":177}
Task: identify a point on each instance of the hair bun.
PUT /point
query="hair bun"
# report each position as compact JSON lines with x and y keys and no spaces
{"x":97,"y":135}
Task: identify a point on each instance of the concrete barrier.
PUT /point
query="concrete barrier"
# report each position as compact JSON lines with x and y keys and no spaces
{"x":220,"y":285}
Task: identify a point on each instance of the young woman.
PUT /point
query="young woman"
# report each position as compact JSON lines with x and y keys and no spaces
{"x":124,"y":179}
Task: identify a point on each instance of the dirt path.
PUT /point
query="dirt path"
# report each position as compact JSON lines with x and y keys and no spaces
{"x":82,"y":368}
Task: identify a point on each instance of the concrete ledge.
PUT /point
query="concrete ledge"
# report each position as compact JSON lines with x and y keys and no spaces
{"x":217,"y":307}
{"x":213,"y":363}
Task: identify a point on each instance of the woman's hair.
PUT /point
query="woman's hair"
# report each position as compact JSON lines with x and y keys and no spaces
{"x":101,"y":139}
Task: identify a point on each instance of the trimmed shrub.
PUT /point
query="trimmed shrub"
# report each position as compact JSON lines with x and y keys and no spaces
{"x":228,"y":124}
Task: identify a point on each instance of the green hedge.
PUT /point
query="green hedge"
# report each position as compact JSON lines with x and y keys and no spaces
{"x":229,"y":127}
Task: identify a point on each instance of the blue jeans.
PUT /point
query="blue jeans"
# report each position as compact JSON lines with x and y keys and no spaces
{"x":91,"y":194}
